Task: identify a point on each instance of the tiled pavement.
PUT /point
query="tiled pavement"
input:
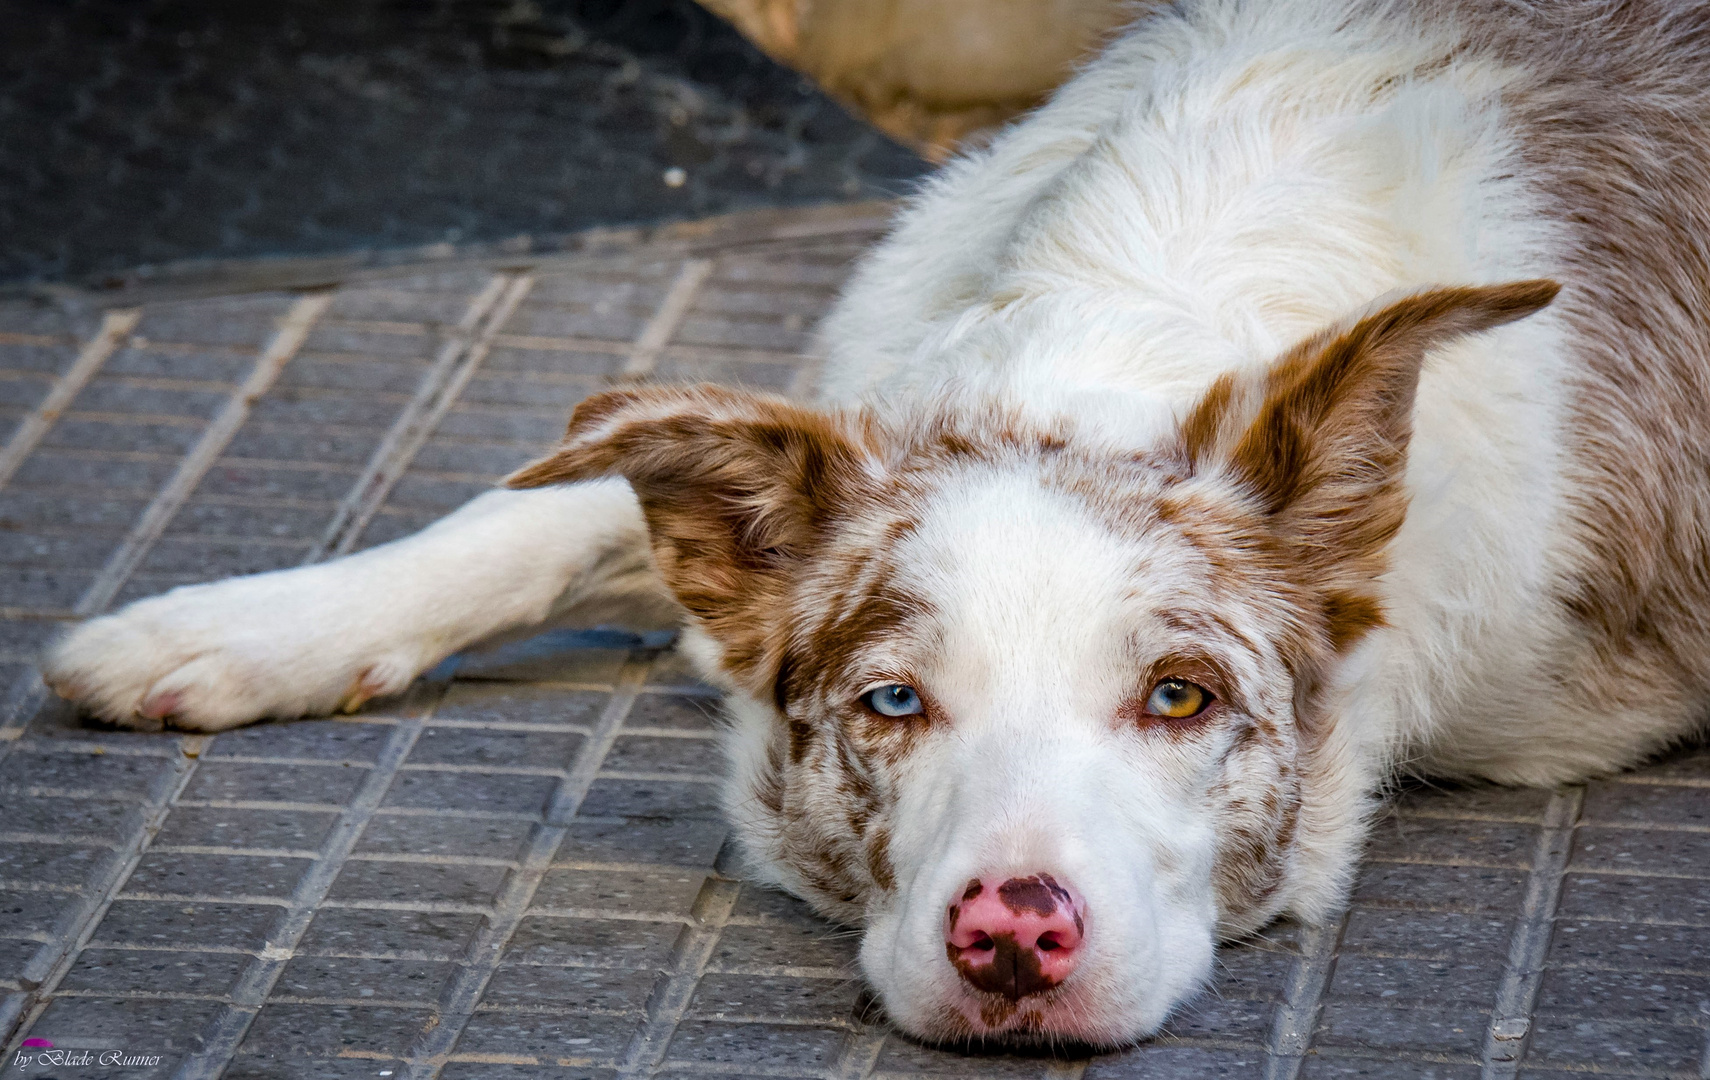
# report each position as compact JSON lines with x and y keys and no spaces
{"x":518,"y":870}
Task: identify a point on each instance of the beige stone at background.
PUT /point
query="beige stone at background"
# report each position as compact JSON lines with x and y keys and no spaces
{"x":931,"y":73}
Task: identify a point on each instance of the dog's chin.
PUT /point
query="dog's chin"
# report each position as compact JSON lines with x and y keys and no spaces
{"x":1058,"y":1022}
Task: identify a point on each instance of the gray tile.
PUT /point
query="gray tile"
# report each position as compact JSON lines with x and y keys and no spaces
{"x":203,"y":516}
{"x":662,"y":892}
{"x":238,"y":781}
{"x":463,"y":746}
{"x":1419,"y":1028}
{"x":1614,"y":1043}
{"x":15,"y":953}
{"x":677,"y":843}
{"x":771,"y":1045}
{"x":558,"y":657}
{"x":1651,"y":851}
{"x":29,"y":913}
{"x":900,"y":1056}
{"x":255,"y":440}
{"x":652,"y":799}
{"x":1216,"y":1017}
{"x":440,"y":834}
{"x":71,"y":472}
{"x":1433,"y":982}
{"x":1176,"y":1063}
{"x":110,"y":776}
{"x":1475,"y":843}
{"x":675,"y":712}
{"x":292,"y":1068}
{"x":483,"y":1070}
{"x":598,"y":989}
{"x":593,"y":942}
{"x":429,"y":883}
{"x":49,"y":864}
{"x":673,"y":671}
{"x":155,"y":971}
{"x":70,"y":817}
{"x":207,"y":558}
{"x":321,"y":1031}
{"x":438,"y":493}
{"x":821,"y":945}
{"x":180,"y":874}
{"x":1244,"y":971}
{"x":352,"y":930}
{"x":360,"y":977}
{"x":136,"y":1025}
{"x":549,"y":1037}
{"x":1462,"y":888}
{"x":1663,"y":899}
{"x":87,"y":433}
{"x":1320,"y":1067}
{"x":770,"y":997}
{"x":323,"y":740}
{"x":225,"y":826}
{"x":1691,"y":763}
{"x":186,"y":925}
{"x":215,"y":365}
{"x":1616,"y":803}
{"x":1641,"y":996}
{"x":675,"y":756}
{"x":1427,"y":933}
{"x":776,"y":906}
{"x":1631,"y":946}
{"x":491,"y":792}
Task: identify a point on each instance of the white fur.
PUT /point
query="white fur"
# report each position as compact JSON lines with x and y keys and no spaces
{"x":306,"y":641}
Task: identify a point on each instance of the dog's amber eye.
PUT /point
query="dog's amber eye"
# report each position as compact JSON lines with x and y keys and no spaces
{"x":894,"y":700}
{"x":1177,"y":699}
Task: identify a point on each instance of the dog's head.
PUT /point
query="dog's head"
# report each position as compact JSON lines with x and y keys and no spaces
{"x":1043,"y":713}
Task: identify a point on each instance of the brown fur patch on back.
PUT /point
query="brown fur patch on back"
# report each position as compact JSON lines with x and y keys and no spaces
{"x":1613,"y":126}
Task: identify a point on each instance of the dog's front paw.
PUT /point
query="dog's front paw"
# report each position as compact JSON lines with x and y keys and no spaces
{"x":212,"y":657}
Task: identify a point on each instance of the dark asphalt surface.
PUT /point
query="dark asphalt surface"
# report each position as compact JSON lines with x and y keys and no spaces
{"x":144,"y":132}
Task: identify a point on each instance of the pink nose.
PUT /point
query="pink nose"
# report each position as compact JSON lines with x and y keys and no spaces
{"x":1015,"y":938}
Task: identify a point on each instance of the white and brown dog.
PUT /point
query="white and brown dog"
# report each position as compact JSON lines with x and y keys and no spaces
{"x":1210,"y":448}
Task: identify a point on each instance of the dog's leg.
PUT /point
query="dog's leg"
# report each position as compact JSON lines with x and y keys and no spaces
{"x":311,"y":640}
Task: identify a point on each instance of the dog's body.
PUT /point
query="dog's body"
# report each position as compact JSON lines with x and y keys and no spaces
{"x":1066,"y":473}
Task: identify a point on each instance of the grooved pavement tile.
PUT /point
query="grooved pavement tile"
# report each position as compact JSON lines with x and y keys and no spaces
{"x":145,"y":877}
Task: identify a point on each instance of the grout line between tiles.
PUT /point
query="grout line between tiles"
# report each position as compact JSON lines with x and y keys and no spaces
{"x":438,"y":390}
{"x":1296,"y":1017}
{"x":860,"y":1055}
{"x":1507,"y":1039}
{"x":689,"y":958}
{"x":662,"y":327}
{"x":115,"y":326}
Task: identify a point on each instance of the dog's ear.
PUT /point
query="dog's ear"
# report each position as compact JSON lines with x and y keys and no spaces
{"x":736,"y":489}
{"x":1319,"y":440}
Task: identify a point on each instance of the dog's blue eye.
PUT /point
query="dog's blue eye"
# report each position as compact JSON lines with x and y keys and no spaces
{"x":895,"y":700}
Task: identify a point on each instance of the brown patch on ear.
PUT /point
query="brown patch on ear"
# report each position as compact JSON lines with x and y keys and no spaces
{"x":737,"y":489}
{"x":1323,"y":451}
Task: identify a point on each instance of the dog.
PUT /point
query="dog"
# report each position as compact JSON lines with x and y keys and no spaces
{"x":1312,"y":392}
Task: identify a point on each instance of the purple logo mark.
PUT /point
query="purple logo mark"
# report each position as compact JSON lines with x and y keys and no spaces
{"x":43,"y":1043}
